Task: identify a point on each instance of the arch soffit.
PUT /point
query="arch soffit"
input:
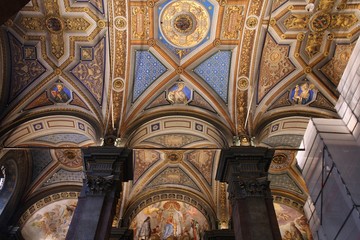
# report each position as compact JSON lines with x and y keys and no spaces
{"x":212,"y":136}
{"x":55,"y":124}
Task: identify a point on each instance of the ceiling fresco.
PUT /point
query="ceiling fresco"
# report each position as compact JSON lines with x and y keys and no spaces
{"x":177,"y":81}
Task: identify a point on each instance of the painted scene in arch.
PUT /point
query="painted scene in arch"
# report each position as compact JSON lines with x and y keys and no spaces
{"x":50,"y":222}
{"x":292,"y":223}
{"x":169,"y":220}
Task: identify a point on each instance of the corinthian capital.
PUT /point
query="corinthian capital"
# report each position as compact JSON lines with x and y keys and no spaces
{"x":244,"y":188}
{"x":99,"y":185}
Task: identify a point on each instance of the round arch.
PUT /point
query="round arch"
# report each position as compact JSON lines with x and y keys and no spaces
{"x":174,"y":195}
{"x":195,"y":128}
{"x":16,"y":163}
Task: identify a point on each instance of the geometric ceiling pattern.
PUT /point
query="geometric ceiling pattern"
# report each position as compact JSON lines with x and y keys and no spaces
{"x":147,"y":70}
{"x":215,"y":71}
{"x":177,"y":81}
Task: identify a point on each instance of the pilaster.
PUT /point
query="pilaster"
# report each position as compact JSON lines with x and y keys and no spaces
{"x":245,"y":169}
{"x":105,"y":170}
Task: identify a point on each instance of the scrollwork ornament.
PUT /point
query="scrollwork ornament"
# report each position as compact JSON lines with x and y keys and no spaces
{"x":97,"y":185}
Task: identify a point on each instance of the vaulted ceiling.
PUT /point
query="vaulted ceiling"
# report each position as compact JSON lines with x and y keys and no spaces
{"x":175,"y":80}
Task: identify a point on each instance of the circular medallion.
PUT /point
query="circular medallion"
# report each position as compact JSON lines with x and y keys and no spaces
{"x":151,"y":42}
{"x":179,"y":70}
{"x":281,"y":160}
{"x":217,"y":42}
{"x":101,"y":24}
{"x":320,"y":21}
{"x":69,"y":157}
{"x":118,"y":84}
{"x":120,"y":23}
{"x":243,"y":83}
{"x":54,"y":24}
{"x":174,"y":156}
{"x":184,"y":23}
{"x":251,"y":22}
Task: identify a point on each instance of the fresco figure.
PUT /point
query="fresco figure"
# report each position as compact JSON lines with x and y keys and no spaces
{"x":50,"y":222}
{"x":170,"y":220}
{"x":302,"y":94}
{"x":155,"y":233}
{"x":194,"y":230}
{"x":145,"y":230}
{"x":168,"y":231}
{"x":179,"y":94}
{"x":59,"y":93}
{"x":292,"y":223}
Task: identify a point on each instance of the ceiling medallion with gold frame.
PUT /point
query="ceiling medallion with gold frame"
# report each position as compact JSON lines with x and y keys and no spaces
{"x":184,"y":23}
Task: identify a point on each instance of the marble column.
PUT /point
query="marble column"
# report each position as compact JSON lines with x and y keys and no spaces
{"x":105,"y":169}
{"x":245,"y":169}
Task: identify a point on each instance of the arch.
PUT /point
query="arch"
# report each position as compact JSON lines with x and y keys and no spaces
{"x":54,"y":124}
{"x":165,"y":195}
{"x":11,"y":173}
{"x":211,"y":135}
{"x":17,"y":164}
{"x":59,"y":205}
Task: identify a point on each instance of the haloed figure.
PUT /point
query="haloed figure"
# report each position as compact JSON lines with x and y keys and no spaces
{"x":59,"y":95}
{"x":145,"y":230}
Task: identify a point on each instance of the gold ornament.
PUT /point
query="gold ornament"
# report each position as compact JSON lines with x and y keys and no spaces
{"x":185,"y":23}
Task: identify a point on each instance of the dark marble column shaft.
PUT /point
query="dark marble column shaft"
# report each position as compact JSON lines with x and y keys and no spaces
{"x":245,"y":169}
{"x":105,"y":169}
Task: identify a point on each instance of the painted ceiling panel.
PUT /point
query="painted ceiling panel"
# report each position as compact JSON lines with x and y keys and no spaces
{"x":173,"y":175}
{"x":147,"y":69}
{"x":322,"y":102}
{"x":63,"y":137}
{"x":159,"y":101}
{"x":40,"y":160}
{"x":199,"y":101}
{"x":39,"y":101}
{"x":215,"y":71}
{"x":284,"y":181}
{"x":97,"y":4}
{"x":288,"y":140}
{"x":63,"y":175}
{"x":175,"y":140}
{"x":25,"y":68}
{"x":336,"y":66}
{"x":144,"y":159}
{"x":282,"y":101}
{"x":77,"y":101}
{"x":203,"y":162}
{"x":274,"y":67}
{"x":90,"y":70}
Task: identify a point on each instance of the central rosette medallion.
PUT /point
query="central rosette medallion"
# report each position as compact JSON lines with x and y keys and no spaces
{"x":184,"y":23}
